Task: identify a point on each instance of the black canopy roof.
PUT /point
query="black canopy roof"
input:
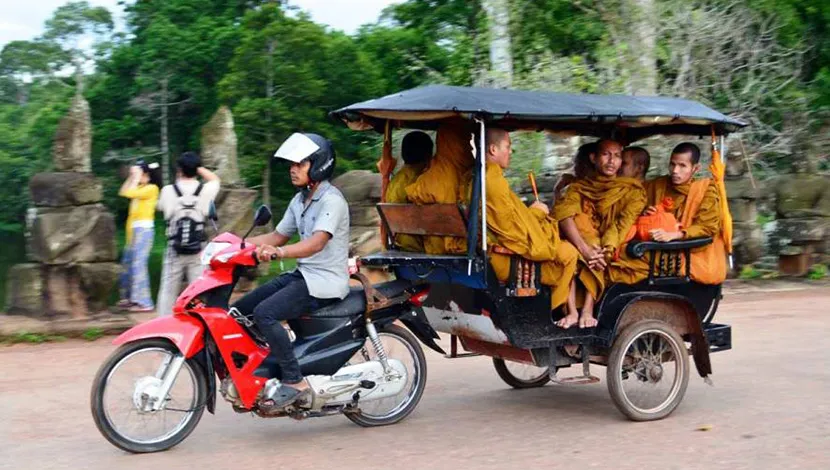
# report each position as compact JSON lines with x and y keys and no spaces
{"x":626,"y":117}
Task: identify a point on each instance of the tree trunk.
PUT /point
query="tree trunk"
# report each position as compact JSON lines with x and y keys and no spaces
{"x":643,"y":48}
{"x":501,"y":59}
{"x":165,"y":146}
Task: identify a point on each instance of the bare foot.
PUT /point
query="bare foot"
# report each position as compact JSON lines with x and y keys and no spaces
{"x":587,"y":320}
{"x":568,"y":321}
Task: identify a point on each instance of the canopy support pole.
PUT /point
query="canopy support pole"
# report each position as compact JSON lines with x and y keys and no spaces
{"x":482,"y":157}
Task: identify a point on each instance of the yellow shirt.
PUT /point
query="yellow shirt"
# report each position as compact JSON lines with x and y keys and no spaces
{"x":142,"y":206}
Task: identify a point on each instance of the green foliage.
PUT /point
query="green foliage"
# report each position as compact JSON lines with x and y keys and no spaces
{"x":92,"y":334}
{"x":817,"y":272}
{"x":33,"y":338}
{"x":749,"y":272}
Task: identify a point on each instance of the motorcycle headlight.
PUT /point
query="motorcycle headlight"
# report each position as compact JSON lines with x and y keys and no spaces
{"x":210,"y":251}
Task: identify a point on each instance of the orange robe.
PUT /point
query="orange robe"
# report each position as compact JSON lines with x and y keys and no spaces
{"x":530,"y":233}
{"x":396,"y":193}
{"x":441,"y":183}
{"x":705,"y":221}
{"x":604,"y":210}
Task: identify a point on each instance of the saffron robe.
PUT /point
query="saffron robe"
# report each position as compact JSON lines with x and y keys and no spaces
{"x":604,"y":209}
{"x":530,"y":233}
{"x":396,"y":193}
{"x":442,"y":182}
{"x":705,"y":221}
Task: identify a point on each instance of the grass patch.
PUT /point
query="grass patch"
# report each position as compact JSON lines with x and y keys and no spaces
{"x":33,"y":338}
{"x":817,"y":272}
{"x":92,"y":334}
{"x":764,"y":219}
{"x":749,"y":272}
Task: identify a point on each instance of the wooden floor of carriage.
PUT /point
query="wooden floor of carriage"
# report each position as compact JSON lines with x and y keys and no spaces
{"x":769,"y":408}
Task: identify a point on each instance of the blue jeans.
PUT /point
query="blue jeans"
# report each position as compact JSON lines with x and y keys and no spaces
{"x":134,"y":282}
{"x":284,"y":298}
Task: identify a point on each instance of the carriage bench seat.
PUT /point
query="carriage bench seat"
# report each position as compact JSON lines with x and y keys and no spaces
{"x":445,"y":220}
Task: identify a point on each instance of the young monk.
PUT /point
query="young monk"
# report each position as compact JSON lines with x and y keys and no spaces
{"x":582,"y":168}
{"x":610,"y":206}
{"x":416,"y":152}
{"x":529,"y":232}
{"x":703,"y":220}
{"x":635,"y":163}
{"x":442,"y":182}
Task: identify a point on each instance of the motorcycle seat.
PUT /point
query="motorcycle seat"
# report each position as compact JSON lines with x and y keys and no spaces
{"x":355,"y":301}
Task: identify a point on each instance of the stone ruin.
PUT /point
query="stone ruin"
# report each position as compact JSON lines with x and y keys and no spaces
{"x":234,"y":203}
{"x":743,"y":193}
{"x":70,"y":235}
{"x":362,"y":189}
{"x":798,"y":236}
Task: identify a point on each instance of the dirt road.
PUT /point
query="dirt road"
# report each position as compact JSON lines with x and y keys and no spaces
{"x":769,"y":408}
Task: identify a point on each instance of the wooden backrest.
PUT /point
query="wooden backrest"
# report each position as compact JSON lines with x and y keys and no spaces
{"x":444,"y":220}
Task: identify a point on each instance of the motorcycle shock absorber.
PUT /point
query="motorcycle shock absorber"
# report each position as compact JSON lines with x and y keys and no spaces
{"x":378,"y":345}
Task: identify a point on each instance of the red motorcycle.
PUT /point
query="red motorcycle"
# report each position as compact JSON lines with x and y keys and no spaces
{"x":151,"y":392}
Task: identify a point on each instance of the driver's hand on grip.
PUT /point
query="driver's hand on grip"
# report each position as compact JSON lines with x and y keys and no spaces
{"x":265,"y":253}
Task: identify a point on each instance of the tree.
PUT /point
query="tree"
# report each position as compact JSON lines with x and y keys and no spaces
{"x":69,"y":25}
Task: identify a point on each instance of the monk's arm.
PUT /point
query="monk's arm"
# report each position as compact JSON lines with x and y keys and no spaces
{"x":707,"y":222}
{"x":632,"y":206}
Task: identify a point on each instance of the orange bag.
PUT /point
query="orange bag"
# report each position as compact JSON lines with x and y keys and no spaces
{"x":662,"y":219}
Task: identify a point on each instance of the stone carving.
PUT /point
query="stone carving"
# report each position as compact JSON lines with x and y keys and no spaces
{"x":70,"y":236}
{"x":743,"y":194}
{"x":362,"y":189}
{"x":219,"y":147}
{"x":73,"y":141}
{"x":801,"y":201}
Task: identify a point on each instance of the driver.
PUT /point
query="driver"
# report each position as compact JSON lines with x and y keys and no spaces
{"x":320,"y":215}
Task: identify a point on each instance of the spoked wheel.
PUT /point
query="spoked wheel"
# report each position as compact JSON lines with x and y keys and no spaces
{"x":124,"y":404}
{"x":519,"y":375}
{"x":648,"y":370}
{"x":400,"y":345}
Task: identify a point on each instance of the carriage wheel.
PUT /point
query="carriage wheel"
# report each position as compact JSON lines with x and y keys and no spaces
{"x":648,"y":370}
{"x":519,"y":375}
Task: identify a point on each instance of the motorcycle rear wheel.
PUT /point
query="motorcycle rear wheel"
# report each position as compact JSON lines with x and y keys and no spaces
{"x":186,"y":407}
{"x":392,"y":337}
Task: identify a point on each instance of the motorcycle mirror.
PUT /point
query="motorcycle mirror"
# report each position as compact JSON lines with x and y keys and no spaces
{"x":262,"y":216}
{"x":212,"y":215}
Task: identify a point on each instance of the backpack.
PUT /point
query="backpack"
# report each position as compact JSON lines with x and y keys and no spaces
{"x":186,"y":227}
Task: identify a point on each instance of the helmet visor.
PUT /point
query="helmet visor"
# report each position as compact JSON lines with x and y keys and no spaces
{"x":296,"y":148}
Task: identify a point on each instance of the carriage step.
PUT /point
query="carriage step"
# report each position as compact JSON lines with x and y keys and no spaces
{"x":580,"y":380}
{"x":585,"y":379}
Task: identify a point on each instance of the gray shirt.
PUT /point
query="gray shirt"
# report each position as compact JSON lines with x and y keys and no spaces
{"x":327,"y":272}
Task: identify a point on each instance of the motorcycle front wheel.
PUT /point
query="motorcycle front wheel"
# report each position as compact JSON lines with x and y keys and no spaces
{"x":123,"y":396}
{"x":401,"y":345}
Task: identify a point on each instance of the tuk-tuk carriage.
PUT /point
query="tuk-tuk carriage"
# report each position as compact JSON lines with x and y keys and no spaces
{"x":645,"y":332}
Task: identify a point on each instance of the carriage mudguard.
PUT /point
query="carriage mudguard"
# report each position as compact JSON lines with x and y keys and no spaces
{"x":415,"y":320}
{"x":612,"y":311}
{"x":185,"y":332}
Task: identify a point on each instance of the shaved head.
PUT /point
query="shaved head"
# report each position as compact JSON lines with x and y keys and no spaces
{"x":608,"y":158}
{"x":635,"y":162}
{"x":499,"y":147}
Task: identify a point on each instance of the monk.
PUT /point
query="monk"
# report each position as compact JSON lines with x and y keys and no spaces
{"x":704,"y":220}
{"x":582,"y":168}
{"x":416,"y":152}
{"x":609,"y":208}
{"x":443,"y":181}
{"x":635,"y":163}
{"x":529,"y":232}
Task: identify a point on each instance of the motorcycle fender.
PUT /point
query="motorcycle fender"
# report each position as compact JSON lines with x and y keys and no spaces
{"x":185,"y":332}
{"x":417,"y":323}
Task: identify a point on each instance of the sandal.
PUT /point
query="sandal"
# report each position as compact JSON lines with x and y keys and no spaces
{"x":125,"y":304}
{"x":140,"y":309}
